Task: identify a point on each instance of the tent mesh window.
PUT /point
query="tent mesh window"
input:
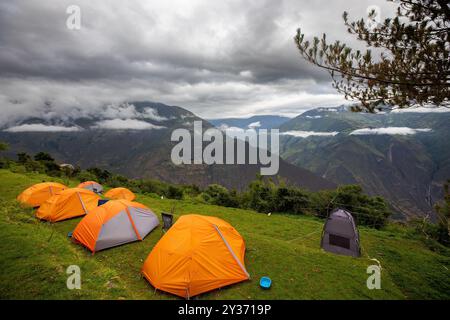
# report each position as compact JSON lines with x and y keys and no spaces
{"x":339,"y":241}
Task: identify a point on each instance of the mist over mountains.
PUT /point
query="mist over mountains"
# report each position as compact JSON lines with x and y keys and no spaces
{"x":134,"y":139}
{"x":402,"y":155}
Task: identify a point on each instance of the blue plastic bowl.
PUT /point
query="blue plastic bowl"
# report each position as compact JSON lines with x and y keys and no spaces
{"x":265,"y":282}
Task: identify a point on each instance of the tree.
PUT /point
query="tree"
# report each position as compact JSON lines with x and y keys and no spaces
{"x":443,"y":213}
{"x":413,"y":66}
{"x":23,"y":158}
{"x":3,"y":146}
{"x":43,"y":156}
{"x":219,"y":195}
{"x":102,"y":175}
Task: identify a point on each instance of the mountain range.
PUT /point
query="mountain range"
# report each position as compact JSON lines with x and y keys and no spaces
{"x":134,"y":139}
{"x":401,"y":154}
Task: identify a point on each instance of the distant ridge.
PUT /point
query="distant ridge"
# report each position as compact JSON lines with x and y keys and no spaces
{"x":134,"y":139}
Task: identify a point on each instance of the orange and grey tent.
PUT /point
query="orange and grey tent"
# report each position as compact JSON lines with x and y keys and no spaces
{"x":115,"y":223}
{"x":37,"y":194}
{"x":120,"y":193}
{"x":197,"y":254}
{"x":91,"y":185}
{"x":68,"y":204}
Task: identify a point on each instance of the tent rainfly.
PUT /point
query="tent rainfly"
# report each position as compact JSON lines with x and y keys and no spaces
{"x":115,"y":223}
{"x":37,"y":194}
{"x":91,"y":185}
{"x":197,"y":254}
{"x":120,"y":194}
{"x":68,"y":204}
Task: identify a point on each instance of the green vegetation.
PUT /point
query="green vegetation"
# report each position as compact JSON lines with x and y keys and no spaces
{"x":439,"y":231}
{"x":285,"y":247}
{"x":262,"y":195}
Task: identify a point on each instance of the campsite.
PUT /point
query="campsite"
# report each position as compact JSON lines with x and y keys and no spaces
{"x":284,"y":247}
{"x":207,"y":159}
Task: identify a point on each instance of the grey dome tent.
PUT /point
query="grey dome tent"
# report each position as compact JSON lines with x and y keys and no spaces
{"x":92,"y":185}
{"x":340,"y":234}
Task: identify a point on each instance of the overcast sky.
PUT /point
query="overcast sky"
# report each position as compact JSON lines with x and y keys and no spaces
{"x":214,"y":58}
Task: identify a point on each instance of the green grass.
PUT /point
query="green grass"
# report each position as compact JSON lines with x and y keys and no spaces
{"x":35,"y":255}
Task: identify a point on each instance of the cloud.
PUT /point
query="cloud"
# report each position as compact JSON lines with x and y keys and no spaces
{"x":125,"y":124}
{"x":306,"y":134}
{"x":388,"y":130}
{"x":254,"y":125}
{"x":246,"y":74}
{"x":38,"y":127}
{"x":313,"y":117}
{"x":128,"y":111}
{"x":424,"y":109}
{"x":236,"y":57}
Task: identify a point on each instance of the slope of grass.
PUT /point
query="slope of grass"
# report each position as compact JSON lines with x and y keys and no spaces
{"x":35,"y":256}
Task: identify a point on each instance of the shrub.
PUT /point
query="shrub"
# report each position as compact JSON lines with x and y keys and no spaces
{"x":43,"y":156}
{"x":84,"y":175}
{"x":219,"y":195}
{"x":443,"y":215}
{"x":18,"y":169}
{"x":174,"y":192}
{"x":290,"y":199}
{"x":259,"y":196}
{"x":101,"y":176}
{"x":23,"y":157}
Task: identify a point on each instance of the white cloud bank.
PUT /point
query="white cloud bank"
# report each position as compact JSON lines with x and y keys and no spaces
{"x":125,"y":124}
{"x":254,"y":125}
{"x":39,"y":127}
{"x":306,"y":134}
{"x":424,"y":109}
{"x":389,"y":130}
{"x":313,"y":117}
{"x":128,"y":111}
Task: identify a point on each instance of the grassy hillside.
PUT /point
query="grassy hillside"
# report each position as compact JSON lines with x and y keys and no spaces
{"x":35,"y":256}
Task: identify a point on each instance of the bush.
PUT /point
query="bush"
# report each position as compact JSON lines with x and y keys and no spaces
{"x":289,"y":199}
{"x":101,"y":176}
{"x":259,"y":196}
{"x":443,"y":215}
{"x":369,"y":211}
{"x":174,"y":192}
{"x":23,"y":157}
{"x":4,"y":163}
{"x":43,"y":156}
{"x":219,"y":195}
{"x":191,"y":190}
{"x":18,"y":169}
{"x":84,"y":175}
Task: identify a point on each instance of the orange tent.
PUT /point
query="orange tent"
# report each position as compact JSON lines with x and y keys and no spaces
{"x":68,"y":204}
{"x":91,"y":185}
{"x":114,"y":223}
{"x":120,"y":193}
{"x":197,"y":254}
{"x":37,"y":194}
